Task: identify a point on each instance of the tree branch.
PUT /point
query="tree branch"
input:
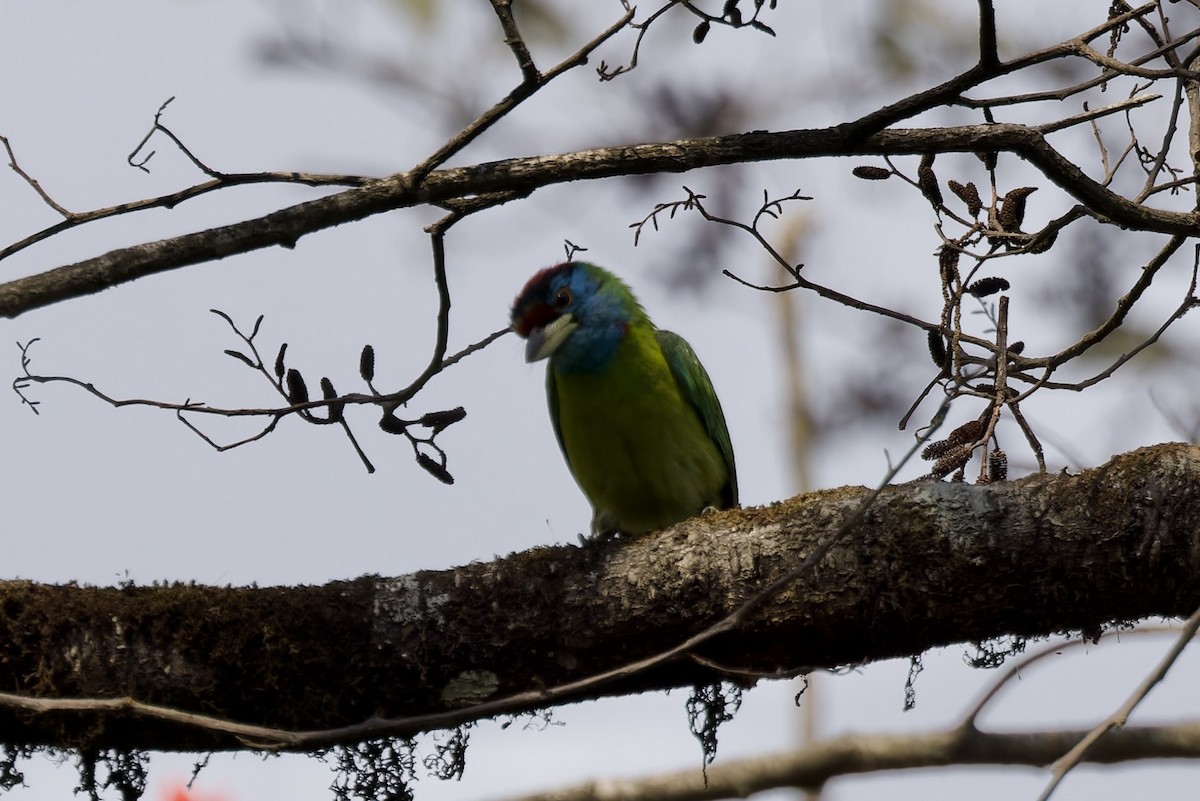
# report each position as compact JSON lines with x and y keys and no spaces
{"x":855,"y":754}
{"x":523,"y":175}
{"x":306,"y":667}
{"x":1117,"y":719}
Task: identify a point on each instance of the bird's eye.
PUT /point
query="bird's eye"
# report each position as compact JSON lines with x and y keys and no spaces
{"x":562,"y":298}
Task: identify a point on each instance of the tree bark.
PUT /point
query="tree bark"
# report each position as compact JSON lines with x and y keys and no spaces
{"x":931,"y":563}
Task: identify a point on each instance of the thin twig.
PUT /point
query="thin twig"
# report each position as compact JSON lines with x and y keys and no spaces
{"x":29,"y":179}
{"x":1118,"y":718}
{"x":1017,"y":667}
{"x":1189,"y":302}
{"x":475,"y":346}
{"x":1089,"y":115}
{"x":516,"y":42}
{"x":607,"y":74}
{"x":531,"y":83}
{"x":1124,"y":305}
{"x":352,"y":398}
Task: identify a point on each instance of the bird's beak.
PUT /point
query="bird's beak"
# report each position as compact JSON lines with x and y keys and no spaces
{"x":545,"y":340}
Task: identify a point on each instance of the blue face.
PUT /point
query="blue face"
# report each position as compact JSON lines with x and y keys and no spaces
{"x":575,"y":289}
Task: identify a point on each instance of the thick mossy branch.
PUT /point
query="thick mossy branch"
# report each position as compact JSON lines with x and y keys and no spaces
{"x":930,"y":564}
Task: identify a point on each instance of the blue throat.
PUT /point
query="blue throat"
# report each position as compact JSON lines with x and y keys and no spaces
{"x":591,"y":348}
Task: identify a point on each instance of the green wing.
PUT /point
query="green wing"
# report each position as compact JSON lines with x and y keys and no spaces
{"x":697,"y":387}
{"x":552,"y":404}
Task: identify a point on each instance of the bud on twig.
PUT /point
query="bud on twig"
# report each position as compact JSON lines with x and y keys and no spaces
{"x":366,"y":364}
{"x":954,"y":460}
{"x":279,"y":362}
{"x":869,"y":172}
{"x":937,"y":350}
{"x":968,"y":194}
{"x":997,"y":465}
{"x":927,"y":181}
{"x":988,"y":286}
{"x":440,"y":420}
{"x":297,"y":390}
{"x":434,"y":468}
{"x":1012,"y":209}
{"x":328,"y":393}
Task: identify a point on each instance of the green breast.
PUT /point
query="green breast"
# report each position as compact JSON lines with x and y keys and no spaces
{"x":636,"y":446}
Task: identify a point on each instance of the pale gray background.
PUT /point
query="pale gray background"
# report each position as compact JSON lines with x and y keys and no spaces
{"x":97,"y":495}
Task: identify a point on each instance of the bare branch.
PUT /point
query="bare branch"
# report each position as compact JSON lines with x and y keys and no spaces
{"x":1189,"y":302}
{"x":1117,"y":719}
{"x":855,"y":754}
{"x":607,"y":73}
{"x":1088,"y":115}
{"x":989,"y":67}
{"x":219,"y":180}
{"x":533,"y":81}
{"x":515,"y":42}
{"x":286,"y":226}
{"x":49,"y":201}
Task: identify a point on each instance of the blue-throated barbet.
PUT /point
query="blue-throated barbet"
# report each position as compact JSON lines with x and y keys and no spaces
{"x":633,"y":409}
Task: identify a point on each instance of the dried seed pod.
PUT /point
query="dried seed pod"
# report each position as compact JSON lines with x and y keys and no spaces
{"x":241,"y":357}
{"x":935,"y":449}
{"x":1012,"y":209}
{"x":698,"y":36}
{"x":948,"y":264}
{"x":927,"y":181}
{"x":366,"y":364}
{"x":937,"y":350}
{"x":869,"y":172}
{"x":336,"y":410}
{"x":967,"y":433}
{"x":279,"y":362}
{"x":968,"y":194}
{"x":988,"y":286}
{"x":439,"y":420}
{"x":998,"y":465}
{"x":954,"y":460}
{"x":434,"y":468}
{"x":297,"y":390}
{"x":1016,"y":348}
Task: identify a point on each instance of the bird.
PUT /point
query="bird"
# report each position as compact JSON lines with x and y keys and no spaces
{"x":632,"y":407}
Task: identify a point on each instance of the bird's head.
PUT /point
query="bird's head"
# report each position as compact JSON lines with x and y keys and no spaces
{"x":575,"y":311}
